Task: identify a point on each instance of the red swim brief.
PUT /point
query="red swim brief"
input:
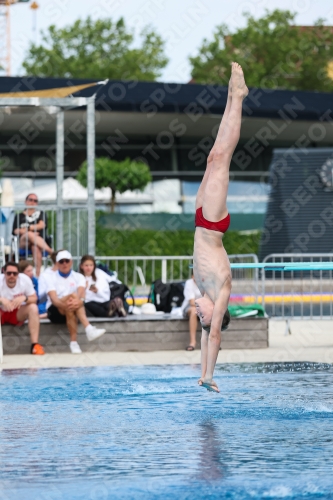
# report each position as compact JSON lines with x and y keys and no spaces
{"x":220,"y":226}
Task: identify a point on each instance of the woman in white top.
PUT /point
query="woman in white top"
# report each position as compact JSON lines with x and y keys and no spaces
{"x":97,"y":301}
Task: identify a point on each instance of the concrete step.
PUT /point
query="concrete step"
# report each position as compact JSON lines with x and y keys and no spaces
{"x":135,"y":333}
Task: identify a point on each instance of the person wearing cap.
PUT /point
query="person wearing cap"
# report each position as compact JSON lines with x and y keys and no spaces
{"x":66,"y":291}
{"x":18,"y":303}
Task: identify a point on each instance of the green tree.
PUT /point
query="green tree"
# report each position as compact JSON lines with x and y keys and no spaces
{"x":96,"y":49}
{"x":273,"y":52}
{"x":118,"y":176}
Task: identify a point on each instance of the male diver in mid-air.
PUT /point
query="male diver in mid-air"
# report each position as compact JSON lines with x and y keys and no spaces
{"x":210,"y":261}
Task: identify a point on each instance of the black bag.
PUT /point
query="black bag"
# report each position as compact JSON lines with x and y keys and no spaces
{"x":176,"y":295}
{"x":159,"y":296}
{"x":165,"y":296}
{"x":122,"y":291}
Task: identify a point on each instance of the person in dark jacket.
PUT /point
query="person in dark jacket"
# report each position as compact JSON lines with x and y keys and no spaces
{"x":30,"y":228}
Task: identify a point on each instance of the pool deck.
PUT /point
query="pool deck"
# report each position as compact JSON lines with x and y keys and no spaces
{"x":309,"y":341}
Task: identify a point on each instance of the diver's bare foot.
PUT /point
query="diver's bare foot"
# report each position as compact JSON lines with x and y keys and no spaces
{"x":238,"y":85}
{"x":208,"y":384}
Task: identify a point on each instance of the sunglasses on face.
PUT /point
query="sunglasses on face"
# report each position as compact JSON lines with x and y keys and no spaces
{"x":11,"y":273}
{"x":64,"y":261}
{"x":32,"y":199}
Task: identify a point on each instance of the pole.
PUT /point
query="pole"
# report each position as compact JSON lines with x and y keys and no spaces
{"x":8,"y":39}
{"x":91,"y":174}
{"x":60,"y":145}
{"x":164,"y":276}
{"x":1,"y":347}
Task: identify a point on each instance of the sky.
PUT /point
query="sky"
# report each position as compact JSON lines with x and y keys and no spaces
{"x":183,"y":24}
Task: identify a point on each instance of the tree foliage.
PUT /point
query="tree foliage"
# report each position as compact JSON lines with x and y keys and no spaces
{"x":96,"y":49}
{"x":274,"y":52}
{"x":179,"y":242}
{"x":118,"y":176}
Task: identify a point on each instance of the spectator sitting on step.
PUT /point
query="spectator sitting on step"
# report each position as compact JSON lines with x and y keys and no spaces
{"x":191,"y":293}
{"x":26,"y":267}
{"x":18,"y":303}
{"x":66,"y":290}
{"x":97,"y":301}
{"x":45,"y":278}
{"x":30,"y":227}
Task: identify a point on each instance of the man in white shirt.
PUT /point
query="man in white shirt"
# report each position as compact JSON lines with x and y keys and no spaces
{"x":18,"y":302}
{"x":66,"y":291}
{"x":191,"y":293}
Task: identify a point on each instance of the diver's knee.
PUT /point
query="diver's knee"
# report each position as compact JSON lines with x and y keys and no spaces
{"x":221,"y":154}
{"x":211,"y":156}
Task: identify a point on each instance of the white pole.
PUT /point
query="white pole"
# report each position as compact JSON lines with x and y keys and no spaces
{"x":164,"y":271}
{"x":91,"y":174}
{"x":60,"y":154}
{"x":1,"y":348}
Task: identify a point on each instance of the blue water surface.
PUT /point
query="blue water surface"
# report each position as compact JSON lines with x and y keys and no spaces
{"x":151,"y":432}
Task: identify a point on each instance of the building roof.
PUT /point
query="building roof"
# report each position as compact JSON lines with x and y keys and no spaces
{"x":158,"y":97}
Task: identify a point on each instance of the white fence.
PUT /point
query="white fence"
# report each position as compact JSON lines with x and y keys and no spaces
{"x":285,"y":295}
{"x":66,"y":227}
{"x":143,"y":270}
{"x":292,"y":294}
{"x":298,"y":294}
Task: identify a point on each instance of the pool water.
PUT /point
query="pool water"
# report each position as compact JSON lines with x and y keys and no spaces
{"x":151,"y":432}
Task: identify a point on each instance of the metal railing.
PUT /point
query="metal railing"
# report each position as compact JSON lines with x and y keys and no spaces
{"x":143,"y":270}
{"x":298,"y":294}
{"x":2,"y":252}
{"x":245,"y":282}
{"x":71,"y":234}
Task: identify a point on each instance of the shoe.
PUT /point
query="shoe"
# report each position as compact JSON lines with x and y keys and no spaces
{"x":116,"y":308}
{"x":93,"y":333}
{"x":38,"y":350}
{"x":120,"y":307}
{"x":74,"y":347}
{"x":112,"y":309}
{"x":190,"y":348}
{"x":121,"y":311}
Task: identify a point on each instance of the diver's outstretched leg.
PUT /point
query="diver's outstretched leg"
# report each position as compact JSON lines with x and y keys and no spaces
{"x":201,"y":190}
{"x":210,"y":385}
{"x":216,"y":187}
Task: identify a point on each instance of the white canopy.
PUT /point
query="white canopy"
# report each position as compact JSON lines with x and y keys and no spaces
{"x":74,"y":192}
{"x":158,"y":196}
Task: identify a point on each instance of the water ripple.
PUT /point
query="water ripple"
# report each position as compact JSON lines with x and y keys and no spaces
{"x":151,"y":432}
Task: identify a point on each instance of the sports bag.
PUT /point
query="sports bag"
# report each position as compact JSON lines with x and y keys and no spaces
{"x":165,"y":296}
{"x":159,"y":295}
{"x":176,"y":294}
{"x":123,"y":292}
